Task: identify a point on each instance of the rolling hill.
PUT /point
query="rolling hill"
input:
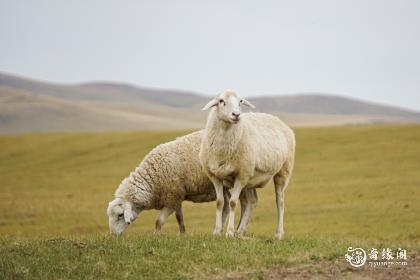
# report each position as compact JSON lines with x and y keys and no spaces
{"x":33,"y":106}
{"x":21,"y":111}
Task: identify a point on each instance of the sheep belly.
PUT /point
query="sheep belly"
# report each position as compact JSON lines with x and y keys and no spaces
{"x":201,"y":197}
{"x":259,"y":180}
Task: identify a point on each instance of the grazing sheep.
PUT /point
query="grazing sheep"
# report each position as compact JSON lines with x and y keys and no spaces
{"x":247,"y":150}
{"x":168,"y":175}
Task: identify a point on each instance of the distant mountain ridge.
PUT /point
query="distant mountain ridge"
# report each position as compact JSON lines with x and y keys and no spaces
{"x":32,"y":106}
{"x":329,"y":104}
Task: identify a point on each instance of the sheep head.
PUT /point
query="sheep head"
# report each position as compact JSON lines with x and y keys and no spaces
{"x":121,"y":214}
{"x":228,"y":106}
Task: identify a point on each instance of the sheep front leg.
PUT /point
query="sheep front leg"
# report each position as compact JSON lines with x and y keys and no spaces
{"x":218,"y":187}
{"x":180,"y":219}
{"x":234,"y":198}
{"x":164,"y":213}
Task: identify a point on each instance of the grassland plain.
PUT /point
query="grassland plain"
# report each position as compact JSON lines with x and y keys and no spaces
{"x":352,"y":186}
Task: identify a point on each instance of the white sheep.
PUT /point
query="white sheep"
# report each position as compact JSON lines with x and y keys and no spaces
{"x":168,"y":175}
{"x":247,"y":150}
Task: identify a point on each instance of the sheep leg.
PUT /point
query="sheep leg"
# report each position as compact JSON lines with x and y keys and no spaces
{"x":281,"y":180}
{"x":226,"y":196}
{"x":218,"y":187}
{"x":249,"y":199}
{"x":244,"y":202}
{"x":164,"y":213}
{"x":180,"y":219}
{"x":237,"y":188}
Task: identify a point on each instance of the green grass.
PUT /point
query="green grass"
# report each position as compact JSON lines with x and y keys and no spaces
{"x":166,"y":256}
{"x":349,"y":184}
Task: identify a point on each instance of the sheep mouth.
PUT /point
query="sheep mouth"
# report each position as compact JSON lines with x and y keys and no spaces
{"x":235,"y":120}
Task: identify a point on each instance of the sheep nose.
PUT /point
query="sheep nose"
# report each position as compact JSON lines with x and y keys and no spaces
{"x":236,"y":115}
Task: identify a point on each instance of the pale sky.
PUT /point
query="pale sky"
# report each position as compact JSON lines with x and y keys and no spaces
{"x":366,"y":49}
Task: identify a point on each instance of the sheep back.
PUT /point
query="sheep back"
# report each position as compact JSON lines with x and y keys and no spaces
{"x":173,"y":173}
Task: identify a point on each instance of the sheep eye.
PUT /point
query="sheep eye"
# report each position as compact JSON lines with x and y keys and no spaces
{"x":121,"y":215}
{"x":221,"y":101}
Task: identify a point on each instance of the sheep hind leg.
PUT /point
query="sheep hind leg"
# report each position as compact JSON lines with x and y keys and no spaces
{"x":160,"y":221}
{"x":248,"y":199}
{"x":180,"y":219}
{"x":226,"y":196}
{"x":244,"y":203}
{"x":281,"y":181}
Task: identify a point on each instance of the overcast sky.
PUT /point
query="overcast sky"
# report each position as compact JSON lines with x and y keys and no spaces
{"x":364,"y":49}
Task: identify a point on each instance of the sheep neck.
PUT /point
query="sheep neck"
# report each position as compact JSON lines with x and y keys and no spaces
{"x":144,"y":187}
{"x":223,"y":136}
{"x":137,"y":188}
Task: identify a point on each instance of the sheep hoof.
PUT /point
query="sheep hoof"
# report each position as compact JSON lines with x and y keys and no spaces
{"x":230,"y":233}
{"x":279,"y":235}
{"x":217,"y":232}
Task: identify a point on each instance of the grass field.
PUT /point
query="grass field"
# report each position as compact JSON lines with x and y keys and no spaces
{"x":352,"y":186}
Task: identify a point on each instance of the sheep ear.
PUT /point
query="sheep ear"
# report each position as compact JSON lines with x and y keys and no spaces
{"x":247,"y":103}
{"x":129,"y":215}
{"x":211,"y":103}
